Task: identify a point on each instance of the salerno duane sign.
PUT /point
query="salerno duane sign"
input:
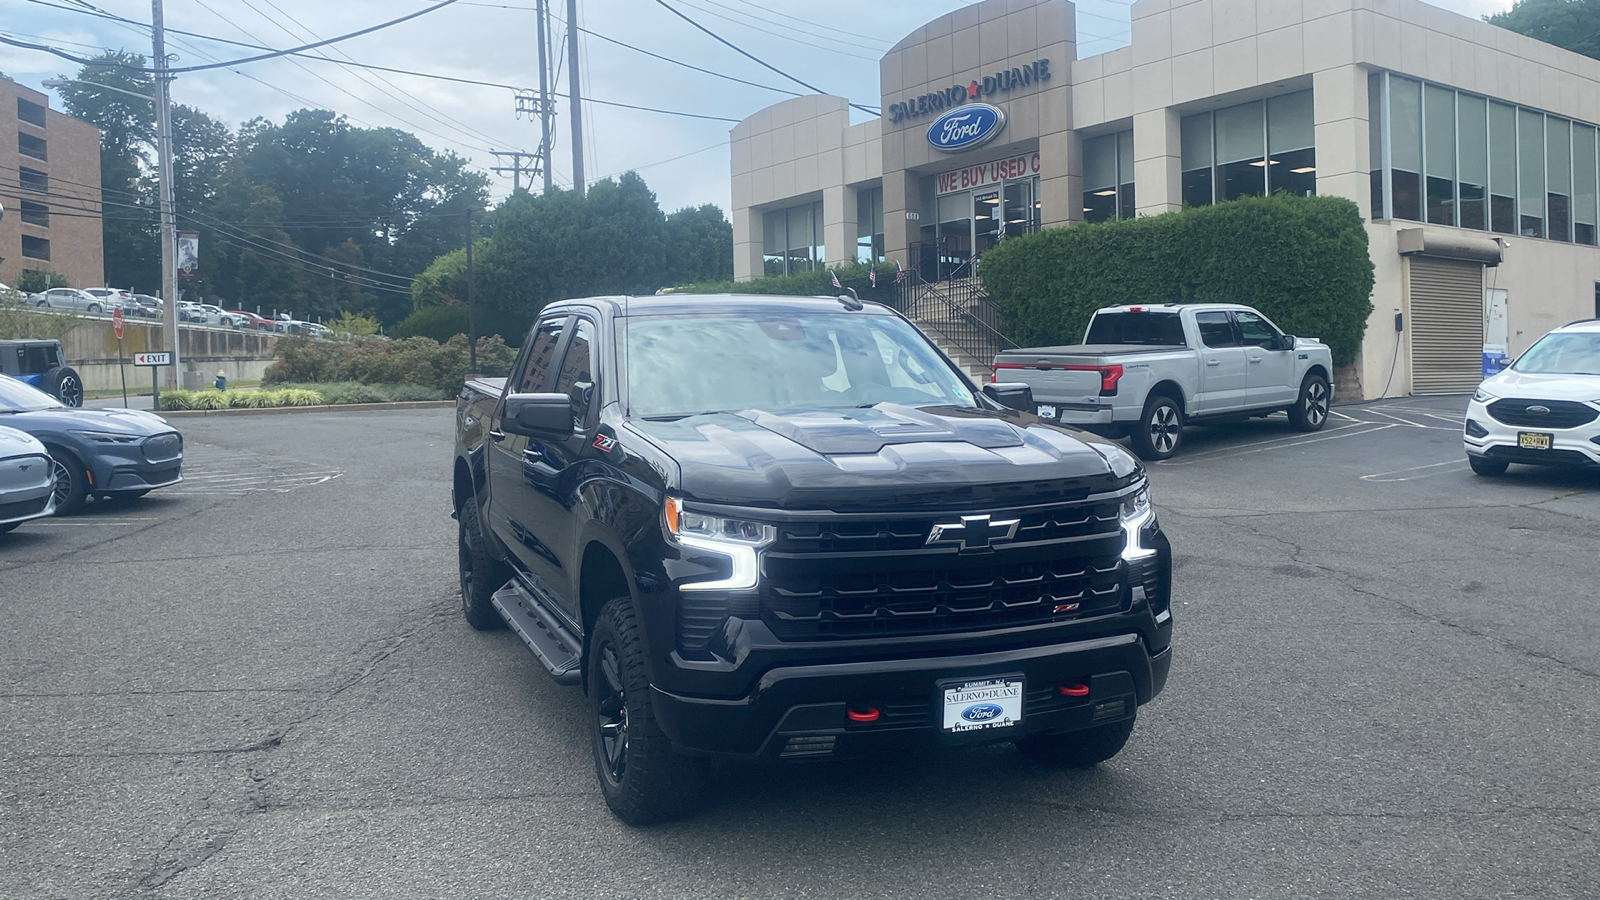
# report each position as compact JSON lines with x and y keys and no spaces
{"x":1002,"y":82}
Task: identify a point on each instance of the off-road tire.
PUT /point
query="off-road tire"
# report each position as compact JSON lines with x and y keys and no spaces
{"x":1159,"y":432}
{"x":63,"y":383}
{"x":642,"y":778}
{"x":72,"y":482}
{"x":1488,"y":468}
{"x":481,"y":573}
{"x":1077,"y":749}
{"x":1310,"y":409}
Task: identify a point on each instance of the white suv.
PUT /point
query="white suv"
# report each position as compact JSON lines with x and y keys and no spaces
{"x":1544,"y":410}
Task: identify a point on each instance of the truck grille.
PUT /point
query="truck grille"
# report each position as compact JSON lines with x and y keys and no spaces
{"x":868,"y":579}
{"x":1557,"y":414}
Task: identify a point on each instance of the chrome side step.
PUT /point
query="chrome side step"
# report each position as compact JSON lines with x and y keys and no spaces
{"x":553,"y":643}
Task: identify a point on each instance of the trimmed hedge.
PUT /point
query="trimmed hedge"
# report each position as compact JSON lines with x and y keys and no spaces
{"x":810,"y":284}
{"x":417,"y":361}
{"x":1301,"y":260}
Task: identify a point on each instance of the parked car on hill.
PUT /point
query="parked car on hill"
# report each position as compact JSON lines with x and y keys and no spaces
{"x":110,"y":453}
{"x":111,"y":298}
{"x":250,"y":320}
{"x":27,"y":479}
{"x":71,"y":299}
{"x":1145,"y":372}
{"x":144,"y":306}
{"x":1542,"y":410}
{"x":41,"y":364}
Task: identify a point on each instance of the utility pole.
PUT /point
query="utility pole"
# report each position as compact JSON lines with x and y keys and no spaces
{"x":169,"y":225}
{"x":472,"y":322}
{"x":546,"y":106}
{"x":516,"y":168}
{"x":574,"y":96}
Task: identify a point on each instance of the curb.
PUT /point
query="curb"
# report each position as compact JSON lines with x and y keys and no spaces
{"x":346,"y":407}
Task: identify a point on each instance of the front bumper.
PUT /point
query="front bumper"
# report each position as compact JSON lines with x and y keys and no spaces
{"x":19,"y":506}
{"x":1485,"y":436}
{"x":121,"y":468}
{"x":800,"y":712}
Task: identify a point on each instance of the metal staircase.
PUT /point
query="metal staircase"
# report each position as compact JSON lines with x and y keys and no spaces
{"x":956,"y":314}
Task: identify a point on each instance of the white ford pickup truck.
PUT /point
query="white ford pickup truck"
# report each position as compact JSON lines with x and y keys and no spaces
{"x":1146,"y":371}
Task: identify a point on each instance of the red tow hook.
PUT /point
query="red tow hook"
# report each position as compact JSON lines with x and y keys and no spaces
{"x":869,"y":714}
{"x":1073,"y":690}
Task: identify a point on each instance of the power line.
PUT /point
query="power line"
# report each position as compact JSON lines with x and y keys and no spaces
{"x":753,"y":58}
{"x":830,"y":48}
{"x":807,"y":31}
{"x":312,"y":46}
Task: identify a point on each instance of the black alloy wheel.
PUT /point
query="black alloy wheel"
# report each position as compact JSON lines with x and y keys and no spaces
{"x":1310,"y":410}
{"x":611,"y":714}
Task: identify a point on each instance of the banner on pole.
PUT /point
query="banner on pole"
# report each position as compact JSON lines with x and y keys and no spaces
{"x":188,"y":254}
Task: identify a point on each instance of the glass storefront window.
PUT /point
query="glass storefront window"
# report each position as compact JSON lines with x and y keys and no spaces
{"x":1472,"y":133}
{"x":1100,"y":178}
{"x":1530,"y":172}
{"x":1405,"y":148}
{"x":1195,"y":136}
{"x":1503,"y":168}
{"x":1241,"y":151}
{"x":792,"y":239}
{"x":1558,"y":178}
{"x":869,"y":225}
{"x":1125,"y":205}
{"x":1291,"y":142}
{"x":1439,"y":139}
{"x":1375,"y":132}
{"x":1584,"y":179}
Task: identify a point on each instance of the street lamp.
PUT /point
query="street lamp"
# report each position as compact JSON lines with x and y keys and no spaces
{"x":169,"y":225}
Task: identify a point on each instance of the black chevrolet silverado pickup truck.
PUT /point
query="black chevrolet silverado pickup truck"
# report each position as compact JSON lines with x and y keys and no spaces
{"x":790,"y":528}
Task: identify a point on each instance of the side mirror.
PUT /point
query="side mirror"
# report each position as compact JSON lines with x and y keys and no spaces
{"x":1015,"y":396}
{"x":1505,"y":362}
{"x":538,"y":415}
{"x":1283,"y":342}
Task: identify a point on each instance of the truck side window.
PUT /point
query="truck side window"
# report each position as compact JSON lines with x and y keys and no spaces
{"x":576,"y":380}
{"x":1215,"y":329}
{"x":544,"y":347}
{"x":1253,"y":329}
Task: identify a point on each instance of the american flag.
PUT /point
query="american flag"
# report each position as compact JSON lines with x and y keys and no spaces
{"x":835,"y":277}
{"x":899,"y":273}
{"x":872,"y":276}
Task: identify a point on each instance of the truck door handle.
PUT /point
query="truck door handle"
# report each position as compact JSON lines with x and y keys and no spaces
{"x":497,"y":435}
{"x":1213,"y":362}
{"x":531,"y":455}
{"x":1256,"y":359}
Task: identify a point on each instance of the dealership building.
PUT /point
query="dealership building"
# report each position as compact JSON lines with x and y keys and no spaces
{"x":1470,"y":150}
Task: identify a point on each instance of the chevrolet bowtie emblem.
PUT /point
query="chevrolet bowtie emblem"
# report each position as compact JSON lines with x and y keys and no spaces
{"x":974,"y":532}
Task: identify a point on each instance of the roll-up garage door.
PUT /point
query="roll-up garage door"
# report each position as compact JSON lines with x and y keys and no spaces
{"x":1446,"y":325}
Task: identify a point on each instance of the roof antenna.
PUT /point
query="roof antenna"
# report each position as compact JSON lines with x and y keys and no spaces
{"x":852,"y":302}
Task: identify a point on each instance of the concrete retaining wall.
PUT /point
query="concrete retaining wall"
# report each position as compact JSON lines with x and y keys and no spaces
{"x":91,"y":348}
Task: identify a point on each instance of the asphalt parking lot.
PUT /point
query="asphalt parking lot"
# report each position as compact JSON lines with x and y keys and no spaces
{"x":258,"y":684}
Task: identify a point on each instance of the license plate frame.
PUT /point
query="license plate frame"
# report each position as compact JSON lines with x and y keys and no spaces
{"x":982,"y":705}
{"x":1535,"y":440}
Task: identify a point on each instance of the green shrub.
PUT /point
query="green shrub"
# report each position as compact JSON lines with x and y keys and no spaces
{"x":300,"y":397}
{"x":177,"y":400}
{"x":445,"y":322}
{"x":1301,"y":260}
{"x":208,"y":400}
{"x":418,"y":361}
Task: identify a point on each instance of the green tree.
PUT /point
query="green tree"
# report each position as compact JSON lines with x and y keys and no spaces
{"x":699,"y":245}
{"x":1572,"y":24}
{"x":127,"y":134}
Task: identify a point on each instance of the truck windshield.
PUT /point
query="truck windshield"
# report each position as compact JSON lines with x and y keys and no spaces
{"x":1158,"y":328}
{"x":683,"y":365}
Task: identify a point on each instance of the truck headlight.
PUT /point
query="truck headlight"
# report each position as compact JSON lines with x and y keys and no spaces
{"x":737,"y":539}
{"x":1135,"y":514}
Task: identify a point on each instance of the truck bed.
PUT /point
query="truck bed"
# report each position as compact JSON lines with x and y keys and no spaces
{"x":1076,"y":354}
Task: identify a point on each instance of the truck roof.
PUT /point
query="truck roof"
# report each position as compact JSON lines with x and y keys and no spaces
{"x":1174,"y":307}
{"x":679,"y":304}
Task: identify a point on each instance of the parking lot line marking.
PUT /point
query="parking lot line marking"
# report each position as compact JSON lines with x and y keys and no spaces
{"x":1383,"y":477}
{"x":1281,"y":443}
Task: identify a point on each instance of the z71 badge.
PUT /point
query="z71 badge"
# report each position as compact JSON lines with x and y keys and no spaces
{"x":603,"y":443}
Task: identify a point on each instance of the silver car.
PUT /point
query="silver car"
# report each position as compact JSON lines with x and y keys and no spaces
{"x":71,"y":299}
{"x":27,"y":480}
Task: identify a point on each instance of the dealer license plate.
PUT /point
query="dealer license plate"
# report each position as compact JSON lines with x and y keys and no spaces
{"x":977,"y":705}
{"x":1047,"y":412}
{"x":1533,"y":440}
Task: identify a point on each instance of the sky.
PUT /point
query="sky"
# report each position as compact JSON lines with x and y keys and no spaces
{"x":833,"y":45}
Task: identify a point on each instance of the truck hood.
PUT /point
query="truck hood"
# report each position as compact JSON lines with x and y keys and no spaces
{"x":862,"y":459}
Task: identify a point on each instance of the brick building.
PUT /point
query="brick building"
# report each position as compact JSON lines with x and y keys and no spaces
{"x":50,"y":189}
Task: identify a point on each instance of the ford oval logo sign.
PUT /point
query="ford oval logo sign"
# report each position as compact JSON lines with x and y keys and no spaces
{"x":966,"y":127}
{"x":981,"y":712}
